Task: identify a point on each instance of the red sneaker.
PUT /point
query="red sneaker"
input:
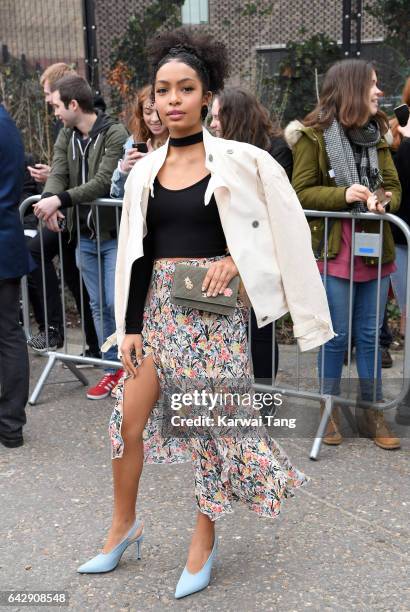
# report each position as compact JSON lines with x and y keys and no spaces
{"x":104,"y":387}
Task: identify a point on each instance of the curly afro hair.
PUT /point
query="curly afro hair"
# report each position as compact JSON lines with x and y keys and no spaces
{"x":208,"y":57}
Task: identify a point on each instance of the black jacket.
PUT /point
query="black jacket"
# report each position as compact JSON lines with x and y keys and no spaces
{"x":401,"y":159}
{"x":30,"y":188}
{"x":283,"y":155}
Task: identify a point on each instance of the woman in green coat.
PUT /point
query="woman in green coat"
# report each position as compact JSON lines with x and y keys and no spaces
{"x":340,"y":157}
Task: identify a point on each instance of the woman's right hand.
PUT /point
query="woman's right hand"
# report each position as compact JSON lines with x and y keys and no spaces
{"x":357,"y":193}
{"x":132,"y":156}
{"x":131,"y":343}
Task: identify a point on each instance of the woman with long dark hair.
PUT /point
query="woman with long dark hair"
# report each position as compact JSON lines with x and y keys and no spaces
{"x":218,"y":207}
{"x":340,"y":158}
{"x":238,"y":115}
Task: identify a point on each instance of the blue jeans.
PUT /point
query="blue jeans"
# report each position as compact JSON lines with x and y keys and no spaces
{"x":363,"y":331}
{"x":87,"y":255}
{"x":399,"y":278}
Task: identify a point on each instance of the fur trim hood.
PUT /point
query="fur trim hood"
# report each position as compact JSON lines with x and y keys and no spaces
{"x":293,"y":132}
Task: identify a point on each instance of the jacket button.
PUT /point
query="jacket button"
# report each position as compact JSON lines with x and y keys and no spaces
{"x":230,"y":151}
{"x":255,"y":223}
{"x":211,"y":157}
{"x":264,"y":318}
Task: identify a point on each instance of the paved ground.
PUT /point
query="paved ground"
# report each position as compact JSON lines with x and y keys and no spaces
{"x":343,"y":543}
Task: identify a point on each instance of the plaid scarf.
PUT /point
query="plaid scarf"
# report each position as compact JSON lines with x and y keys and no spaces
{"x":353,"y":153}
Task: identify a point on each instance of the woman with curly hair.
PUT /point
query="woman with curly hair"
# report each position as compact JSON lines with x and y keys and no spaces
{"x":145,"y":127}
{"x":224,"y":209}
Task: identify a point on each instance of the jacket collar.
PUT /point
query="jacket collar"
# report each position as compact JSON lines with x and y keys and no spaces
{"x":295,"y":130}
{"x":210,"y":144}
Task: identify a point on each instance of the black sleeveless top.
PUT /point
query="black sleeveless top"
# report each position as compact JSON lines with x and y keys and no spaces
{"x":179,"y":225}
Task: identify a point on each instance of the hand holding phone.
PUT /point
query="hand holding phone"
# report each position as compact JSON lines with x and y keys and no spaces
{"x":382,"y":197}
{"x":402,"y":113}
{"x":140,"y":146}
{"x":137,"y":151}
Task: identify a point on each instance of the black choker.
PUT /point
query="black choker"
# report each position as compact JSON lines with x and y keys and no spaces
{"x":185,"y":141}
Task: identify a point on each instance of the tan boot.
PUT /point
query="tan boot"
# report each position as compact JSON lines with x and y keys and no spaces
{"x":373,"y":425}
{"x":332,"y":436}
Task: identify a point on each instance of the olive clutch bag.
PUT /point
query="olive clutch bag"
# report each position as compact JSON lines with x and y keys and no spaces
{"x":187,"y":291}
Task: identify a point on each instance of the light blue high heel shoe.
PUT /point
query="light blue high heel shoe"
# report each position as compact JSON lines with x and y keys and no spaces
{"x":106,"y":562}
{"x":192,"y":583}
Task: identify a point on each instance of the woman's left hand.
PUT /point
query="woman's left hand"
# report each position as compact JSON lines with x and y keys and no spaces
{"x":219,"y":276}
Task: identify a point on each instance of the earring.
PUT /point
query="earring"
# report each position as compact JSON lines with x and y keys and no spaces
{"x":204,"y":112}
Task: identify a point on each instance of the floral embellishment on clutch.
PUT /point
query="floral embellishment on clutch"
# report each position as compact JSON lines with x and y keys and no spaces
{"x":188,"y":283}
{"x":228,"y":292}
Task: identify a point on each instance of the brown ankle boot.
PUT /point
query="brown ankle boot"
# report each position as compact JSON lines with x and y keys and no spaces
{"x":332,"y":436}
{"x":373,"y":425}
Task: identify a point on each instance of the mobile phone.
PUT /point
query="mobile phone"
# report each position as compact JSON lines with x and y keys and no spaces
{"x":381,"y":196}
{"x":62,"y":224}
{"x":140,"y":146}
{"x":402,"y":113}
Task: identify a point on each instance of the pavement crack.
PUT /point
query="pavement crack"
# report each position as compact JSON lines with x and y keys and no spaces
{"x":372,"y":524}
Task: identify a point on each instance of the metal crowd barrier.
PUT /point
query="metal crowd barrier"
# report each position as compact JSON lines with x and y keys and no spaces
{"x":64,"y":356}
{"x":328,"y":401}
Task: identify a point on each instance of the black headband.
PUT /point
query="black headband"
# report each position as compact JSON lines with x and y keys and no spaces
{"x":187,"y":54}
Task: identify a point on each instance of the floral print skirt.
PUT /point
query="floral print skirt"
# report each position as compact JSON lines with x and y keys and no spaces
{"x":190,"y":346}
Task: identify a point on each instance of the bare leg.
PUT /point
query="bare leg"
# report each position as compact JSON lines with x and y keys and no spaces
{"x":201,"y":543}
{"x":140,"y":395}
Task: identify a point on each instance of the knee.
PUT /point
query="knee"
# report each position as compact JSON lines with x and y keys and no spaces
{"x":366,"y":338}
{"x":131,"y":432}
{"x":109,"y":309}
{"x":339,"y":342}
{"x":110,"y":305}
{"x":95,"y":307}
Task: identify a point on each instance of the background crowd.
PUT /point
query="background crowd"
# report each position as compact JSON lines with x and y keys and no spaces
{"x":334,"y":157}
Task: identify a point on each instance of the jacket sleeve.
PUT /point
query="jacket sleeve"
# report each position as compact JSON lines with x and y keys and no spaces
{"x":58,"y":180}
{"x":307,"y":181}
{"x":302,"y":284}
{"x":99,"y":185}
{"x":117,"y":183}
{"x":118,"y":178}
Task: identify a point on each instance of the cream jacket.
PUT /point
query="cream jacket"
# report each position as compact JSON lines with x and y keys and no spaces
{"x":266,"y":232}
